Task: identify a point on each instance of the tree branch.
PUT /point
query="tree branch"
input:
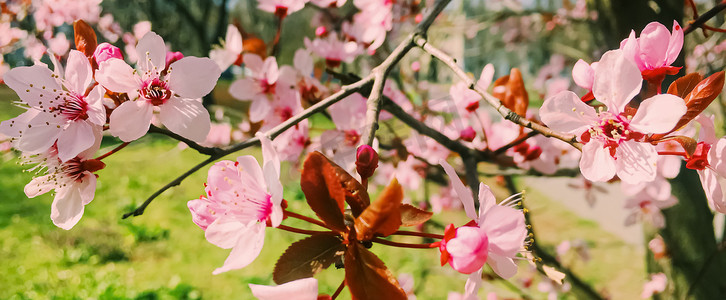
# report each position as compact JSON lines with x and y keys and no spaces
{"x":211,"y":151}
{"x":701,"y":20}
{"x":493,"y":101}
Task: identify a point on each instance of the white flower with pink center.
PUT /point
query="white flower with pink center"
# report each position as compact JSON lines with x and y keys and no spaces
{"x":231,"y":51}
{"x":59,"y":111}
{"x":73,"y":181}
{"x":241,"y":199}
{"x":334,"y":50}
{"x":262,"y":82}
{"x":176,"y":93}
{"x":613,"y":140}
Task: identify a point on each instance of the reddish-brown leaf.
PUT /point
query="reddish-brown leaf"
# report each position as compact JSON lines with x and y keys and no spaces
{"x":323,"y":190}
{"x":510,"y":90}
{"x":701,"y":96}
{"x":85,"y":38}
{"x":255,"y":45}
{"x":413,"y":216}
{"x":368,"y":278}
{"x":307,"y":257}
{"x":382,"y":217}
{"x":684,"y":85}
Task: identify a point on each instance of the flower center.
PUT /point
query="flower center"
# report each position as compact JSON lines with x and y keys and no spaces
{"x":156,"y":91}
{"x":699,"y":160}
{"x":264,"y":210}
{"x":285,"y":113}
{"x":352,"y":137}
{"x":74,"y":107}
{"x":267,"y":87}
{"x":611,"y":130}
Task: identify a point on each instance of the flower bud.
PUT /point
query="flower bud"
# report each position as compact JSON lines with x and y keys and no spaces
{"x":468,"y":134}
{"x":366,"y":161}
{"x":465,"y":248}
{"x":172,"y":57}
{"x":106,"y":51}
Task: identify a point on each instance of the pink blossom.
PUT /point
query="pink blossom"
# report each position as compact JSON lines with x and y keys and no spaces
{"x":405,"y":280}
{"x":655,"y":50}
{"x":231,"y":50}
{"x":106,"y":51}
{"x":65,"y":117}
{"x":328,"y":3}
{"x":584,"y":74}
{"x":657,"y":246}
{"x":281,"y":8}
{"x":260,"y":84}
{"x":219,"y":135}
{"x":503,"y":226}
{"x":612,"y":139}
{"x":371,"y":23}
{"x":241,"y":198}
{"x":333,"y":50}
{"x":110,"y":29}
{"x":73,"y":181}
{"x":177,"y":93}
{"x":657,"y":284}
{"x":464,"y":248}
{"x":709,"y":161}
{"x":303,"y":289}
{"x":59,"y":44}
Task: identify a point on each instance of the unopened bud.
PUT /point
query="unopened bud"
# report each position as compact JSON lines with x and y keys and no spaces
{"x":172,"y":57}
{"x":468,"y":134}
{"x":366,"y":161}
{"x":321,"y":31}
{"x":106,"y":51}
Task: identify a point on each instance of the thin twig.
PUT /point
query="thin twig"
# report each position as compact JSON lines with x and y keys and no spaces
{"x":515,"y":142}
{"x":702,"y":19}
{"x":493,"y":101}
{"x":404,"y":245}
{"x":201,"y":149}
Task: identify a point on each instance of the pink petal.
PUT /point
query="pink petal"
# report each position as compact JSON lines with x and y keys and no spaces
{"x":303,"y":62}
{"x":233,"y":39}
{"x":505,"y":229}
{"x":38,"y":186}
{"x":583,"y":74}
{"x":486,"y":200}
{"x":253,"y":62}
{"x":712,"y":188}
{"x":87,"y":187}
{"x":186,"y":117}
{"x":596,"y":164}
{"x":152,"y":53}
{"x":131,"y":120}
{"x":117,"y":76}
{"x":505,"y":267}
{"x":717,"y":156}
{"x":95,"y":110}
{"x":248,"y":165}
{"x":193,"y":77}
{"x":617,"y":81}
{"x":675,"y":43}
{"x":303,"y":289}
{"x":20,"y":80}
{"x":468,"y":250}
{"x":15,"y":126}
{"x":636,"y":162}
{"x":78,"y":72}
{"x":653,"y":43}
{"x":472,"y":286}
{"x":658,"y":114}
{"x":225,"y":232}
{"x":67,"y":207}
{"x":201,"y":215}
{"x":485,"y":79}
{"x":270,"y":70}
{"x":461,"y":191}
{"x":259,"y":109}
{"x":247,"y":249}
{"x":74,"y":139}
{"x":244,"y":89}
{"x":565,"y":112}
{"x":631,"y":50}
{"x":40,"y":136}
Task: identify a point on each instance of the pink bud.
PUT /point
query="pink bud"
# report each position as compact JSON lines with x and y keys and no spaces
{"x":466,"y":248}
{"x":468,"y":134}
{"x":321,"y":31}
{"x":416,"y":66}
{"x":419,"y":18}
{"x":366,"y":161}
{"x":172,"y":57}
{"x":106,"y":51}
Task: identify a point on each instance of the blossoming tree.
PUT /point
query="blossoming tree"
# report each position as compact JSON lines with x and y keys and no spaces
{"x":634,"y":118}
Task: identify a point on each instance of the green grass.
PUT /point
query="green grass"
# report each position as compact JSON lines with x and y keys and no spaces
{"x":163,"y":255}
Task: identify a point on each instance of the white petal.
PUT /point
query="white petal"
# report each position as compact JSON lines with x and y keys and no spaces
{"x":636,"y":162}
{"x":96,"y":111}
{"x":503,"y":266}
{"x":658,"y":114}
{"x":596,"y":164}
{"x":246,"y":250}
{"x":464,"y":194}
{"x":302,"y":289}
{"x":259,"y":109}
{"x":565,"y":112}
{"x":486,"y":199}
{"x":74,"y":139}
{"x":67,"y":207}
{"x":20,"y":80}
{"x":117,"y":76}
{"x":87,"y":187}
{"x":131,"y":120}
{"x":617,"y":81}
{"x":186,"y":117}
{"x":193,"y":77}
{"x":151,"y":51}
{"x":38,"y":186}
{"x":40,"y":136}
{"x":78,"y":72}
{"x":224,"y":232}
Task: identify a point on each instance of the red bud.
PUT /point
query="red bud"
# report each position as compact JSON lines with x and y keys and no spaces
{"x":468,"y":134}
{"x":366,"y":161}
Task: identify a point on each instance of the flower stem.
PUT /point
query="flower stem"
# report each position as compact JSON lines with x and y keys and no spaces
{"x":304,"y":231}
{"x":421,"y":234}
{"x":405,"y":245}
{"x":340,"y":289}
{"x":304,"y":218}
{"x":672,"y":153}
{"x":119,"y":147}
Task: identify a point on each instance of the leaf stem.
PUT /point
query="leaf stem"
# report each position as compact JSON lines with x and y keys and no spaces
{"x":405,"y":245}
{"x":421,"y":234}
{"x":305,"y":218}
{"x":304,"y":231}
{"x":119,"y":147}
{"x":340,"y":289}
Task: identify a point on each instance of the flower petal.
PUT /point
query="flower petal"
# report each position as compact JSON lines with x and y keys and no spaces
{"x":67,"y":207}
{"x":583,"y":74}
{"x":504,"y":267}
{"x":505,"y":229}
{"x":87,"y":187}
{"x":151,"y":51}
{"x":32,"y":82}
{"x":225,"y":232}
{"x":565,"y":112}
{"x":658,"y":114}
{"x":96,"y":112}
{"x":259,"y":109}
{"x":464,"y":194}
{"x":596,"y":164}
{"x":117,"y":76}
{"x":193,"y":77}
{"x":486,"y":200}
{"x":246,"y":250}
{"x":303,"y":289}
{"x":636,"y":162}
{"x":38,"y":186}
{"x":712,"y":188}
{"x":74,"y":139}
{"x":131,"y":120}
{"x":675,"y":44}
{"x":653,"y":43}
{"x":617,"y":81}
{"x":78,"y":72}
{"x":243,"y":89}
{"x":186,"y":117}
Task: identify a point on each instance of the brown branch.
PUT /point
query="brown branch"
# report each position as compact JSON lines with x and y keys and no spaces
{"x":702,"y":19}
{"x":201,"y":149}
{"x":515,"y":142}
{"x":493,"y":101}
